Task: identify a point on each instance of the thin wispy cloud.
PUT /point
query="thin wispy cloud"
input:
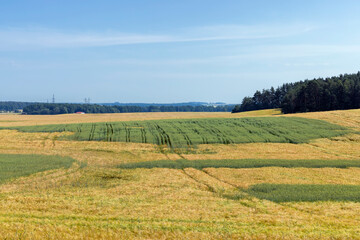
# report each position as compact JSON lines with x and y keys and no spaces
{"x":17,"y":38}
{"x":287,"y":55}
{"x":219,"y":32}
{"x":254,"y":53}
{"x":45,"y":38}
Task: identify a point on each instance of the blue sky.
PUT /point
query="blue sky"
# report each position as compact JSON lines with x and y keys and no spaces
{"x":171,"y":51}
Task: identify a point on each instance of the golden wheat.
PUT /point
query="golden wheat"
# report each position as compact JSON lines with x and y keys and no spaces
{"x":100,"y":201}
{"x":7,"y":120}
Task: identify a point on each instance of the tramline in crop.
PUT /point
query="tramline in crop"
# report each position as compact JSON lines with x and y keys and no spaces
{"x":180,"y":133}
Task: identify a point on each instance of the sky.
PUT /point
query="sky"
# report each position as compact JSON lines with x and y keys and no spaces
{"x":165,"y":51}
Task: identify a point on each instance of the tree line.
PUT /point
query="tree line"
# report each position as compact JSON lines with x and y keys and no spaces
{"x":11,"y":106}
{"x":335,"y":93}
{"x":64,"y":108}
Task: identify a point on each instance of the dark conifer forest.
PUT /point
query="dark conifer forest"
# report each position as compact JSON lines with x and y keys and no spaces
{"x":335,"y":93}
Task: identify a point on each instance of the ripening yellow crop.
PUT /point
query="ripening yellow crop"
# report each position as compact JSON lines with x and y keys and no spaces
{"x":246,"y":177}
{"x":100,"y":201}
{"x":7,"y":120}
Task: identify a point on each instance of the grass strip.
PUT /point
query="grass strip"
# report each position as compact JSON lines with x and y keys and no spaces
{"x":242,"y":163}
{"x":20,"y":165}
{"x":305,"y":192}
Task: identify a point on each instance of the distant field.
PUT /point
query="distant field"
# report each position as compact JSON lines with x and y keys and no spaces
{"x":29,"y":120}
{"x":191,"y":132}
{"x":242,"y":163}
{"x":16,"y":165}
{"x":305,"y":192}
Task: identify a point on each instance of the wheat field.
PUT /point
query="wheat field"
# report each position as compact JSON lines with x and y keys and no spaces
{"x":95,"y":199}
{"x":7,"y":120}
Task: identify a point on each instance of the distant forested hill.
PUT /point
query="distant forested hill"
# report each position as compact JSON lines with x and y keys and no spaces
{"x":335,"y":93}
{"x":11,"y":106}
{"x":164,"y":104}
{"x":63,"y":108}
